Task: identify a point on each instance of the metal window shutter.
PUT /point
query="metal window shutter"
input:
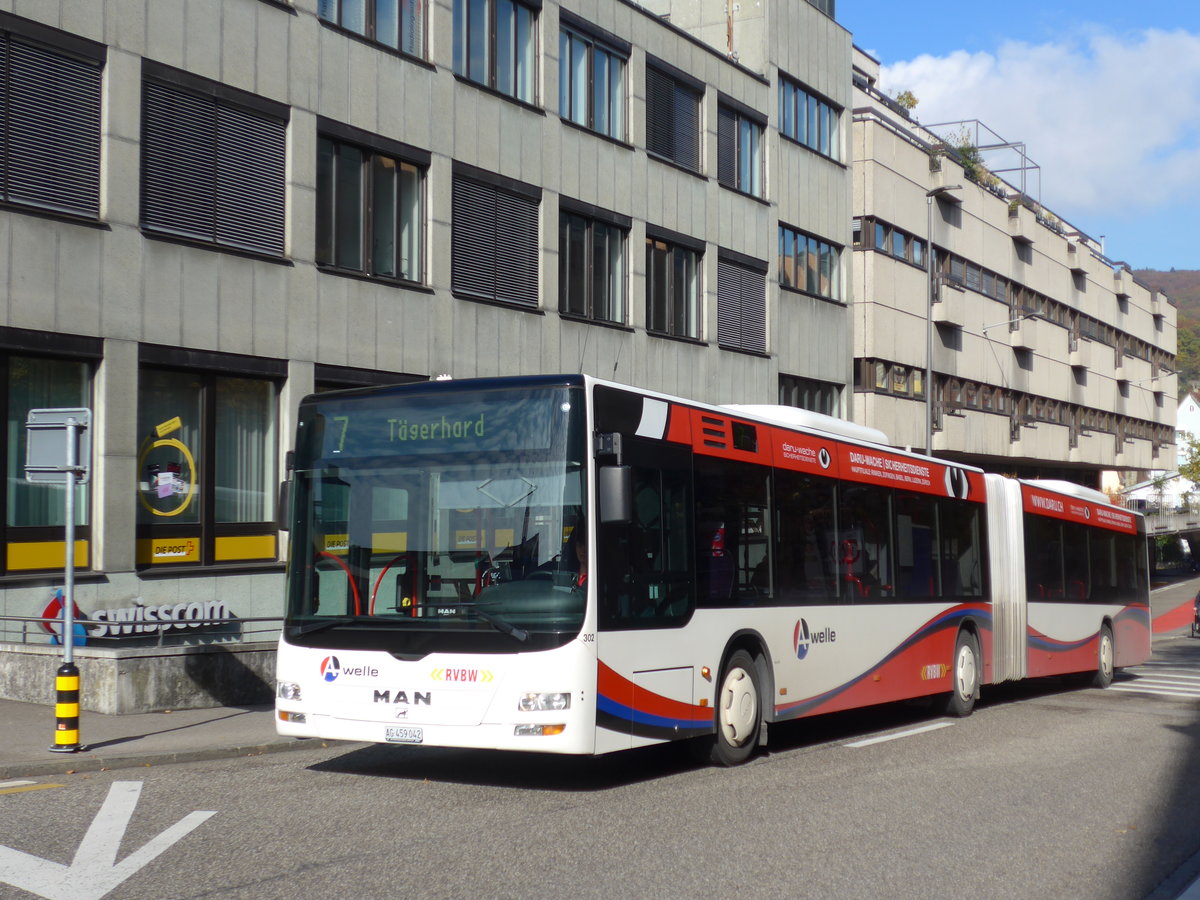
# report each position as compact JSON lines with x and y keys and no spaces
{"x":660,"y":113}
{"x":516,"y":248}
{"x":687,"y":127}
{"x":250,"y":157}
{"x":741,"y":307}
{"x":473,"y":238}
{"x":727,"y":126}
{"x":53,"y":129}
{"x":179,"y":139}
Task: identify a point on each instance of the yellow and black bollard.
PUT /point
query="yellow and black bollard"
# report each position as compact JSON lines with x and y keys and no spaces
{"x":66,"y":709}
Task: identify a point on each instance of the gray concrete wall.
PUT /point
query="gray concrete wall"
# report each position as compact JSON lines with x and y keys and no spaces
{"x":119,"y":682}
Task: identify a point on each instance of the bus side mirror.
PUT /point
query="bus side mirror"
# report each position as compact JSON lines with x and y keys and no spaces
{"x":614,"y":491}
{"x":283,"y":509}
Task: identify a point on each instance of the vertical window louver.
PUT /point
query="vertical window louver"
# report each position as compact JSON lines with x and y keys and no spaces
{"x":494,"y":252}
{"x":212,"y":170}
{"x":672,"y":119}
{"x":741,"y":307}
{"x":50,"y":127}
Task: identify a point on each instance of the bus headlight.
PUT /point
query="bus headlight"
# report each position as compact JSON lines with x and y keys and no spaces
{"x":532,"y":702}
{"x":287,"y":690}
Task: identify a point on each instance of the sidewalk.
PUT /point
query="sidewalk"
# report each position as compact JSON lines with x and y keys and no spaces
{"x":114,"y":742}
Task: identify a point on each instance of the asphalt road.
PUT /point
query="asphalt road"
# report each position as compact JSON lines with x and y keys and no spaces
{"x":1047,"y":790}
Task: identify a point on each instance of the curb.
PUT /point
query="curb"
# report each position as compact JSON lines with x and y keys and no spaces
{"x":76,"y":764}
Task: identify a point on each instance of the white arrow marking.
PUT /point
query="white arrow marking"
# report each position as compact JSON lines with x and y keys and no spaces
{"x":95,"y":870}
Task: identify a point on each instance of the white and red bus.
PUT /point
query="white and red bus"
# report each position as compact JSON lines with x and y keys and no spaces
{"x":565,"y":565}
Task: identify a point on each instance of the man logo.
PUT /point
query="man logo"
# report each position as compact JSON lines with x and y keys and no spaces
{"x":330,"y":668}
{"x":957,"y":483}
{"x":800,"y":639}
{"x":823,"y":458}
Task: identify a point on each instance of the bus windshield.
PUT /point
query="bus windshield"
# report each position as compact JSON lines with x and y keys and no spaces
{"x":428,"y":519}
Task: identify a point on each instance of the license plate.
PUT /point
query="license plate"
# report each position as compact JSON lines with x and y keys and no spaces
{"x":404,"y":734}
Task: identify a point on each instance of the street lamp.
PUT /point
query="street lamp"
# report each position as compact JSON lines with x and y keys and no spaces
{"x":929,"y":295}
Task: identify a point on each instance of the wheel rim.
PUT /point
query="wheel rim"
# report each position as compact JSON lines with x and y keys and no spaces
{"x":739,"y":707}
{"x":1106,"y":655}
{"x":965,"y":672}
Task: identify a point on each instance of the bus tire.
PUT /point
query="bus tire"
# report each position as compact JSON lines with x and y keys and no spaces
{"x":1105,"y":655}
{"x":964,"y":676}
{"x":738,"y":712}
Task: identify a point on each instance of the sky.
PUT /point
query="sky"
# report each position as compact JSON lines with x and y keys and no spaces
{"x":1105,"y":96}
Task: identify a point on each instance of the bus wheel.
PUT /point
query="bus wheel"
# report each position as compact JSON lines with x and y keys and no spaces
{"x":1103,"y":675}
{"x":738,"y":711}
{"x":965,"y":675}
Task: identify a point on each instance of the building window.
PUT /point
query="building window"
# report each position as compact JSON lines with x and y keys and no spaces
{"x":809,"y":264}
{"x":809,"y":120}
{"x":742,"y":305}
{"x":673,"y":118}
{"x":591,"y":84}
{"x":495,"y":43}
{"x":739,"y":151}
{"x":35,"y":514}
{"x":369,"y":211}
{"x":494,"y":240}
{"x":50,"y":121}
{"x":207,"y":473}
{"x":213,"y":163}
{"x":591,"y":267}
{"x":672,"y":289}
{"x":399,"y":24}
{"x":809,"y":393}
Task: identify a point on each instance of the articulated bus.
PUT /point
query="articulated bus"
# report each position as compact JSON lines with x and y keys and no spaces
{"x":565,"y":565}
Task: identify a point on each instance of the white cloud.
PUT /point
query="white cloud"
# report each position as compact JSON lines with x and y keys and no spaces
{"x":1114,"y":121}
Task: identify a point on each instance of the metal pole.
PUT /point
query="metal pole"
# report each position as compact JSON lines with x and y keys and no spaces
{"x":929,"y":324}
{"x":66,"y":682}
{"x":69,"y":571}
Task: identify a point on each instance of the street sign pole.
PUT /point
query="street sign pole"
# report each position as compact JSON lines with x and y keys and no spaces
{"x":69,"y":571}
{"x":49,"y":461}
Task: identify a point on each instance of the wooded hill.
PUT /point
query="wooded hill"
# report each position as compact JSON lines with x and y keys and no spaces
{"x":1182,"y":286}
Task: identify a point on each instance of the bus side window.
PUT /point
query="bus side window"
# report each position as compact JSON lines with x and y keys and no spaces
{"x":644,"y":571}
{"x":864,"y":542}
{"x":733,"y":534}
{"x":805,"y":567}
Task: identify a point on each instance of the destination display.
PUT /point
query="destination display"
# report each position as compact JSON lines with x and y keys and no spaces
{"x":491,"y":421}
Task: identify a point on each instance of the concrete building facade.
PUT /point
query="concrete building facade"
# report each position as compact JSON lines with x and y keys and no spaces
{"x":211,"y":208}
{"x":1044,"y":357}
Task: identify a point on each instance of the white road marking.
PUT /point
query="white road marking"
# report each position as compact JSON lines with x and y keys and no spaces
{"x":95,"y":871}
{"x":867,"y":742}
{"x":8,"y":784}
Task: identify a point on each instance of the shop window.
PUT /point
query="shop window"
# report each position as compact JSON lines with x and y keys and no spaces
{"x":35,"y":513}
{"x":207,"y":472}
